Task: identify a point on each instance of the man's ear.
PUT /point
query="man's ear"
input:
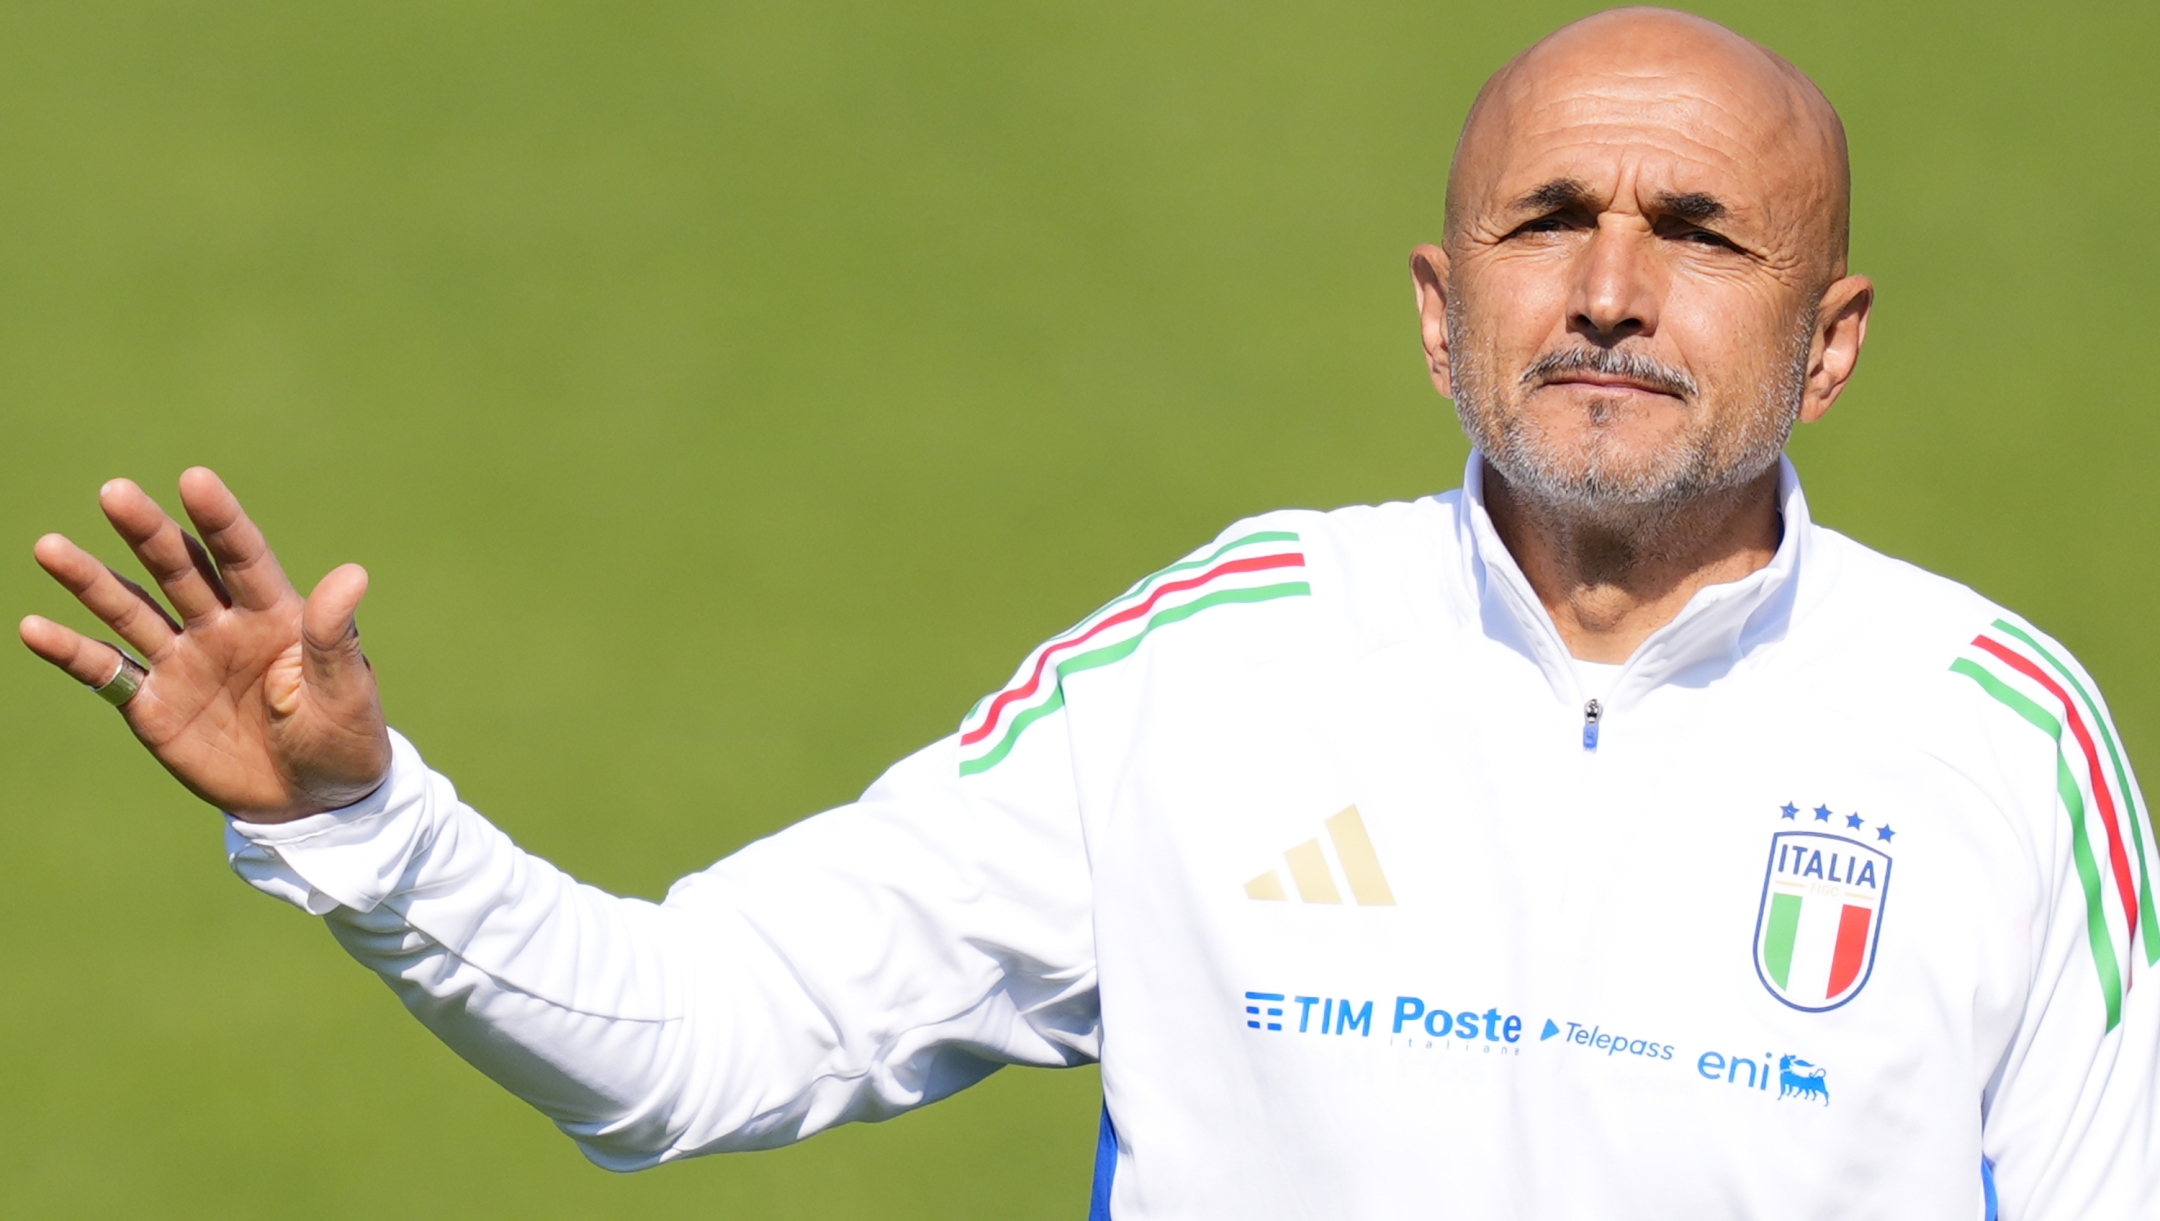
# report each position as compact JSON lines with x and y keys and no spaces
{"x":1840,"y":330}
{"x":1429,"y":272}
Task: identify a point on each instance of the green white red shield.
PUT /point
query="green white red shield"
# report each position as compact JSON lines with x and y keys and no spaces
{"x":1820,"y":918}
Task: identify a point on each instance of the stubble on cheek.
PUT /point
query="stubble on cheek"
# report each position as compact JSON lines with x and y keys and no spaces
{"x":1594,"y":449}
{"x":1609,"y":452}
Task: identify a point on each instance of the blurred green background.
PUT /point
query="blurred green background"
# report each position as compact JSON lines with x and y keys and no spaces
{"x":725,"y":395}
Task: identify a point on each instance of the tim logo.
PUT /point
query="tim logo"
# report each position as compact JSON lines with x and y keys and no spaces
{"x":1820,"y":917}
{"x":1799,"y":1079}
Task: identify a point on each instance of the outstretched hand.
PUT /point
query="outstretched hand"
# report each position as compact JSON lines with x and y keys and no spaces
{"x":260,"y":702}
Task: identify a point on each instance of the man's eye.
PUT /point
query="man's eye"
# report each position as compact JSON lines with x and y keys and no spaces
{"x":1703,"y":237}
{"x":1543,"y":224}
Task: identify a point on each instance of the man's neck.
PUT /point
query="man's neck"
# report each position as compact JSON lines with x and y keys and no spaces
{"x":1609,"y":581}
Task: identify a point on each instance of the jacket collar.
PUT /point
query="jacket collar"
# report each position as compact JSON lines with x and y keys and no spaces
{"x":1717,"y":629}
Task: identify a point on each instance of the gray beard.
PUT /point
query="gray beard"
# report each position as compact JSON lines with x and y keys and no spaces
{"x":1585,"y":480}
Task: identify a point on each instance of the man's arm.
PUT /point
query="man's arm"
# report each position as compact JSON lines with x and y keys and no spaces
{"x":866,"y":961}
{"x":859,"y":964}
{"x":2070,"y":1120}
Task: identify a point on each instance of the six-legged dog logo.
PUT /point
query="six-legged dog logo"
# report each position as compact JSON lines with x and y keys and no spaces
{"x":1799,"y":1079}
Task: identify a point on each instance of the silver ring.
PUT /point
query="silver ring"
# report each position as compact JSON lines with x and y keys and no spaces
{"x":124,"y":683}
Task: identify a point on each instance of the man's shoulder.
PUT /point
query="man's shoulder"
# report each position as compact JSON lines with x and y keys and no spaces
{"x":1893,"y":608}
{"x":1899,"y":614}
{"x":1961,"y":667}
{"x":1366,"y":543}
{"x":1385,"y":526}
{"x":1897,"y":621}
{"x":1331,"y":578}
{"x":1262,"y":592}
{"x":1291,"y":558}
{"x":1379,"y":571}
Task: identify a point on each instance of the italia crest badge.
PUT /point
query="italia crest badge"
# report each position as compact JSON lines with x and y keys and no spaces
{"x":1822,"y":908}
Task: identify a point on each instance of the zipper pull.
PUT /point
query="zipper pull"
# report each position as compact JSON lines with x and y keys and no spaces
{"x":1592,"y":713}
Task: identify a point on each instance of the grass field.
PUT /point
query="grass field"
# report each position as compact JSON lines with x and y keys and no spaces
{"x":725,"y":395}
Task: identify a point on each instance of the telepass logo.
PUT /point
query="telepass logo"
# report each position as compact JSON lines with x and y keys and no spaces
{"x":1821,"y":913}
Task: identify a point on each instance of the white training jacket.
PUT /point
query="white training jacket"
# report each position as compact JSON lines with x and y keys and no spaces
{"x":1834,"y":902}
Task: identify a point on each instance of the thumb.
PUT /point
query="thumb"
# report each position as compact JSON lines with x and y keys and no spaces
{"x":330,"y":658}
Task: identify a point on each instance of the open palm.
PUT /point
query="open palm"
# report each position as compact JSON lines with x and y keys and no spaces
{"x":260,"y":702}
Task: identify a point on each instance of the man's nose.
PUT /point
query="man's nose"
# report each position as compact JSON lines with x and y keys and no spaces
{"x":1617,"y":284}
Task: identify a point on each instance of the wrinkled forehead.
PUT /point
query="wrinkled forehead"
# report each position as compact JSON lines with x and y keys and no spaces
{"x":1626,"y":131}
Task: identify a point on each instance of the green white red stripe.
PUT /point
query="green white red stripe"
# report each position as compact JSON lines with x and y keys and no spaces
{"x":1258,"y":567}
{"x":2107,"y":819}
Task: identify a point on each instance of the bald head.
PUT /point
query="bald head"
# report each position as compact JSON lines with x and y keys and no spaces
{"x":1678,"y":88}
{"x":1642,"y":284}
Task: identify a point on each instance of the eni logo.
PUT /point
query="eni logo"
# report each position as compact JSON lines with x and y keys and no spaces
{"x":1797,"y":1079}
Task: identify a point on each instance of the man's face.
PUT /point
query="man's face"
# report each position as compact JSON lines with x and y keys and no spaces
{"x":1634,"y":274}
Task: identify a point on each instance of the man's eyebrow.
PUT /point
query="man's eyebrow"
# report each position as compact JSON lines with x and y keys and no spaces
{"x":1555,"y":196}
{"x":1694,"y":206}
{"x":1562,"y":194}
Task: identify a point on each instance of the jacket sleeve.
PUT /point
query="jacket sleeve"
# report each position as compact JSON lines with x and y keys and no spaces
{"x":856,"y":965}
{"x":2071,"y":1118}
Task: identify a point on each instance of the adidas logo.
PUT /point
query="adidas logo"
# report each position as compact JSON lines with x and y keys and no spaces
{"x":1354,"y":862}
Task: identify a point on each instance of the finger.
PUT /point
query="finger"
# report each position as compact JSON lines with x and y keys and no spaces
{"x":125,"y":607}
{"x":244,"y":560}
{"x":87,"y":661}
{"x":330,"y":658}
{"x":176,"y":562}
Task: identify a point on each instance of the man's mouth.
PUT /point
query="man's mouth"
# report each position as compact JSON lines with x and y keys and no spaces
{"x":1607,"y":369}
{"x":1605,"y":382}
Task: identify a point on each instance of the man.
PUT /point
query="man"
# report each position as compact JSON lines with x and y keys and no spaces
{"x":1601,"y":840}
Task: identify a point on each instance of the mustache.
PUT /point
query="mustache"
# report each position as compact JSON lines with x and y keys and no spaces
{"x":1612,"y":363}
